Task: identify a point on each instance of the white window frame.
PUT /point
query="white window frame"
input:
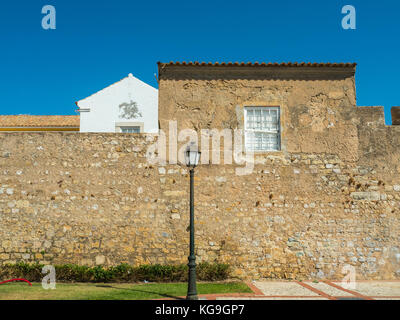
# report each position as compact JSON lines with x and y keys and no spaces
{"x":276,"y":132}
{"x":130,"y":127}
{"x":120,"y":125}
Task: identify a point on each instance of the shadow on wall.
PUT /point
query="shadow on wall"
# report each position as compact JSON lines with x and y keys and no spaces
{"x":254,"y":72}
{"x":129,"y":110}
{"x":395,"y":116}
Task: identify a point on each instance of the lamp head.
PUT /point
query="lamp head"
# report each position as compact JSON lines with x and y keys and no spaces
{"x":192,"y":155}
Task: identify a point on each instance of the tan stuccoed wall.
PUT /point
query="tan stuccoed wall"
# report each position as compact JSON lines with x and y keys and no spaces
{"x":317,"y":104}
{"x":323,"y":202}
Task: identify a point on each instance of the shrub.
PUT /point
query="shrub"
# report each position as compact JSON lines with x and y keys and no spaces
{"x":120,"y":273}
{"x":213,"y":271}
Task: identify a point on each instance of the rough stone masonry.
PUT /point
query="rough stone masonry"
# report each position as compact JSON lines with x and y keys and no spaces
{"x":329,"y":198}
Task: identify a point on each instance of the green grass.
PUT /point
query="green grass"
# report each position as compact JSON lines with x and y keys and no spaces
{"x":113,"y":291}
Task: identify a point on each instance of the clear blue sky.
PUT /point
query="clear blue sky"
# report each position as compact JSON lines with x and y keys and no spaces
{"x":98,"y":42}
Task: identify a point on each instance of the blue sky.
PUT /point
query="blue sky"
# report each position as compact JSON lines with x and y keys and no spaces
{"x":99,"y":42}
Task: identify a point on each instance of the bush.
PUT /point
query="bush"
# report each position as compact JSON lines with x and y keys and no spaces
{"x":213,"y":271}
{"x":120,"y":273}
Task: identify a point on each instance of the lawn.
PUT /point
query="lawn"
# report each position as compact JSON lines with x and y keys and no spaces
{"x":113,"y":291}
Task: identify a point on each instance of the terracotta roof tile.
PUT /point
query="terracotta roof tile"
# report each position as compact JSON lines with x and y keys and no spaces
{"x":262,"y":64}
{"x":10,"y":121}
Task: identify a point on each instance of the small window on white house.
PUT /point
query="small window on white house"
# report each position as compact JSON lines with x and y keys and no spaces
{"x":262,"y":128}
{"x":130,"y":129}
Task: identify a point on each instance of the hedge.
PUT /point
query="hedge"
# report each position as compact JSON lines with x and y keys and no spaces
{"x":121,"y":273}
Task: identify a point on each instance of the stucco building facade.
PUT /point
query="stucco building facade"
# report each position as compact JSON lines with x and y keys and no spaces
{"x":317,"y":103}
{"x":105,"y":110}
{"x":323,"y":192}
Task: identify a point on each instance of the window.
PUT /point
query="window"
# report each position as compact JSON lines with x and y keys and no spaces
{"x":130,"y":129}
{"x":262,"y":128}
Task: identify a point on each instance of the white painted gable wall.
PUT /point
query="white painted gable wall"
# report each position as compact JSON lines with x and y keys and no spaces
{"x":104,"y":106}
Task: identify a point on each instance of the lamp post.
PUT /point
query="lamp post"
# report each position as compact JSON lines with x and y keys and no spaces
{"x":192,"y":156}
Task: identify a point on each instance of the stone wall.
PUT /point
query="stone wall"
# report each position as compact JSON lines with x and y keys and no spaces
{"x":93,"y":199}
{"x":318,"y":104}
{"x":395,"y":115}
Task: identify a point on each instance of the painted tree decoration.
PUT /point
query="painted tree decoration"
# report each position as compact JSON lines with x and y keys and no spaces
{"x":129,"y":110}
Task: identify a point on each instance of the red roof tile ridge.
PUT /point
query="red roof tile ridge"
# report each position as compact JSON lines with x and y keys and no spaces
{"x":264,"y":64}
{"x":39,"y":120}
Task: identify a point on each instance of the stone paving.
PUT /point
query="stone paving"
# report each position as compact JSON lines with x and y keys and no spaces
{"x":321,"y":290}
{"x":312,"y":290}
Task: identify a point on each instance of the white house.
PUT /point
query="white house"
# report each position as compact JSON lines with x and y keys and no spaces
{"x":127,"y":106}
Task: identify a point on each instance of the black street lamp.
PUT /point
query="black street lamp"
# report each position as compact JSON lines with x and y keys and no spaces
{"x":192,"y":157}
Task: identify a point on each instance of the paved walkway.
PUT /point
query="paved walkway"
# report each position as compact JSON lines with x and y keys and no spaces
{"x":310,"y":290}
{"x":323,"y":290}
